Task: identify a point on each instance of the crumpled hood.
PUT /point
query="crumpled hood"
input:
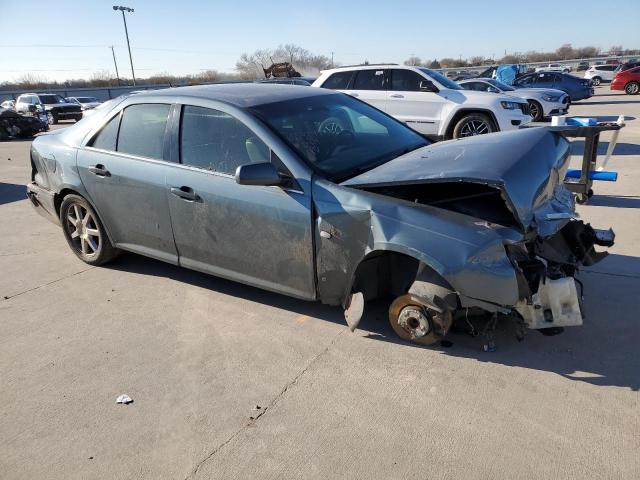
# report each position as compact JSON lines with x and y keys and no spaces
{"x":527,"y":166}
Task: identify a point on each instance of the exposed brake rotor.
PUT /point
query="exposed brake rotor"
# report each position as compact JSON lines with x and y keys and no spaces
{"x":418,"y":322}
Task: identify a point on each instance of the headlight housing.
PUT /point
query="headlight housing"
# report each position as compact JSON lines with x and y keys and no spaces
{"x":551,"y":98}
{"x":510,"y":105}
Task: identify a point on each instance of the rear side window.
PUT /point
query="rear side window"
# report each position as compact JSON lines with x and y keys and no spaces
{"x":216,"y":141}
{"x":369,"y":80}
{"x":405,"y":80}
{"x":107,"y":137}
{"x":142,"y":130}
{"x":338,"y":81}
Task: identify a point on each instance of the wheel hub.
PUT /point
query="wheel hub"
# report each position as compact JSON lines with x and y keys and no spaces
{"x":414,"y":321}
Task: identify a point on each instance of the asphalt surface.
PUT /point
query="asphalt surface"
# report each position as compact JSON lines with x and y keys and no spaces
{"x":233,"y":382}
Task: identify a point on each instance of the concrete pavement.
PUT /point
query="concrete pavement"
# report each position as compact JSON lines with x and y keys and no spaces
{"x":232,"y":382}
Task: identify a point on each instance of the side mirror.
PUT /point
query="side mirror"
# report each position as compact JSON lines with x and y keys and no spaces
{"x":428,"y":86}
{"x":264,"y":174}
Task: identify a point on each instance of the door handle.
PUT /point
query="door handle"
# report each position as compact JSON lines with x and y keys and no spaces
{"x":396,"y":95}
{"x":185,"y":193}
{"x":99,"y":170}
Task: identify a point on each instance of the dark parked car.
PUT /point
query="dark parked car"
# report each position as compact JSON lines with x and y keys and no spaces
{"x":627,"y":80}
{"x":576,"y":88}
{"x":582,"y":66}
{"x":315,"y":194}
{"x":627,"y":66}
{"x":56,"y":107}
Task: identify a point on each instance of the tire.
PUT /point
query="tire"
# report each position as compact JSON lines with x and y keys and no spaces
{"x":632,"y":88}
{"x":86,"y":237}
{"x":78,"y":118}
{"x":537,"y":113}
{"x":473,"y":124}
{"x":53,"y":119}
{"x":596,"y":81}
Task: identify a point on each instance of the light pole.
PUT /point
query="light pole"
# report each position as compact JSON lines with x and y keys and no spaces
{"x":126,"y":32}
{"x":115,"y":64}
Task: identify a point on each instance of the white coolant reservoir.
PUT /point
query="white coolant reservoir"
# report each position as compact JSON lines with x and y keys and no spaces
{"x":555,"y":305}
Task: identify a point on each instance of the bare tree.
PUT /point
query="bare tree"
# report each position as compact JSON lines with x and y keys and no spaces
{"x":251,"y":66}
{"x":413,"y":61}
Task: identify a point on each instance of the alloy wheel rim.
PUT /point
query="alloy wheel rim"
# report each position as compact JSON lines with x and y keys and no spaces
{"x":533,"y":110}
{"x":474,"y":127}
{"x":83,"y":230}
{"x":633,"y":88}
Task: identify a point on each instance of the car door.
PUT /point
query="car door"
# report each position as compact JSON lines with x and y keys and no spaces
{"x":418,"y":108}
{"x":369,"y":85}
{"x":545,"y":80}
{"x":123,"y":170}
{"x":259,"y":235}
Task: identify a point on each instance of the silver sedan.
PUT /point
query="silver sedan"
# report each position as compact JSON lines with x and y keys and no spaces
{"x":543,"y":102}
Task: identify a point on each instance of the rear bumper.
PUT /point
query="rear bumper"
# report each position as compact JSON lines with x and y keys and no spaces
{"x":43,"y":201}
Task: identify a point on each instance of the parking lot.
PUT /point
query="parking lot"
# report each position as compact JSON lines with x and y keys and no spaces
{"x":229,"y":381}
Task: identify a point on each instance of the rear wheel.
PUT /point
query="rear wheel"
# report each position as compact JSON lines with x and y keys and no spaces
{"x":535,"y":110}
{"x":632,"y":88}
{"x":596,"y":81}
{"x":472,"y":125}
{"x":84,"y":232}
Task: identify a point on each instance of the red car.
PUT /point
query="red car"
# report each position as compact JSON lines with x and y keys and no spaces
{"x":628,"y":80}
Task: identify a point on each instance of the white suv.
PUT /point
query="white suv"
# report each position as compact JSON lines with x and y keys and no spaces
{"x":600,"y":73}
{"x":427,"y":101}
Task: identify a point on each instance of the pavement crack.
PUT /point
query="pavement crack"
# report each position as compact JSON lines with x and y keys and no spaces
{"x":8,"y":297}
{"x":264,"y":410}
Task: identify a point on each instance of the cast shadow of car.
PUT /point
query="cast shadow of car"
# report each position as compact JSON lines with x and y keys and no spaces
{"x":11,"y":192}
{"x":617,"y":201}
{"x":604,"y":351}
{"x":577,"y":148}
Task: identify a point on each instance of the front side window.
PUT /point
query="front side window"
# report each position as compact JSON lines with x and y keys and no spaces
{"x":405,"y":80}
{"x":369,"y":80}
{"x":216,"y":141}
{"x":338,"y":136}
{"x":476,"y":86}
{"x":441,"y":79}
{"x":142,"y":130}
{"x":526,"y":80}
{"x":338,"y":81}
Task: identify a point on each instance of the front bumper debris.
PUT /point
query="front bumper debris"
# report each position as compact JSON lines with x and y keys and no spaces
{"x":556,"y":304}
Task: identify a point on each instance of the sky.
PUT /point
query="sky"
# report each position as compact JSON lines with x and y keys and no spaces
{"x":70,"y":39}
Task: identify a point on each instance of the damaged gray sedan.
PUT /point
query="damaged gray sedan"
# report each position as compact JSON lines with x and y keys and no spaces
{"x":320,"y":196}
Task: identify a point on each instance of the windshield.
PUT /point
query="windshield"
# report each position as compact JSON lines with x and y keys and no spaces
{"x":50,"y":99}
{"x":337,"y":135}
{"x":502,"y":86}
{"x":441,"y":79}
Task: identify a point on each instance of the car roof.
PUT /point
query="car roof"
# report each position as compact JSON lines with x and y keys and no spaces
{"x":241,"y":95}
